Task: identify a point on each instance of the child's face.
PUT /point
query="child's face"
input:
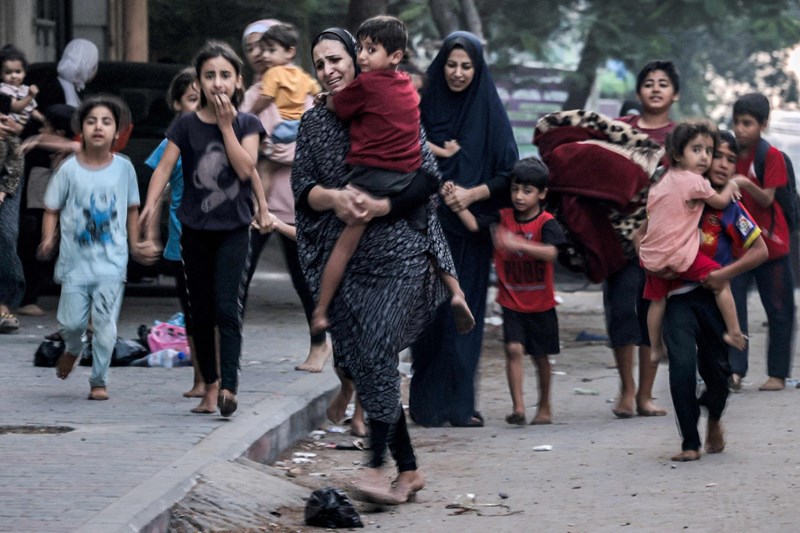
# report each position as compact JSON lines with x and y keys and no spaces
{"x":526,"y":198}
{"x":99,"y":129}
{"x":13,"y":73}
{"x":697,"y":155}
{"x":723,"y":166}
{"x":189,"y":101}
{"x":373,"y":56}
{"x":747,"y":130}
{"x":657,"y":93}
{"x":275,"y":55}
{"x":219,"y":76}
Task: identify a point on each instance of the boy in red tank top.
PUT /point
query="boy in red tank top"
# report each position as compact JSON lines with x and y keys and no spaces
{"x":526,"y":245}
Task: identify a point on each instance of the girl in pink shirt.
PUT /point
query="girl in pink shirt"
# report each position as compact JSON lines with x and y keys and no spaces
{"x":669,"y":248}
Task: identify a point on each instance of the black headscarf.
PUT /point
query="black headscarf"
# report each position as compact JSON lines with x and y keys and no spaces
{"x":343,"y":36}
{"x":475,"y":117}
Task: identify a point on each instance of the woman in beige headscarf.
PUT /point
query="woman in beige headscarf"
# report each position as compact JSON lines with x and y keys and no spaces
{"x":274,"y":167}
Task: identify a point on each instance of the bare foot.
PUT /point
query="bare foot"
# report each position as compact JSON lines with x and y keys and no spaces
{"x":735,"y":382}
{"x":773,"y":384}
{"x":407,"y":484}
{"x":338,"y":405}
{"x":462,"y":315}
{"x":317,"y":356}
{"x":65,"y":364}
{"x":685,"y":456}
{"x":648,"y":408}
{"x":31,"y":310}
{"x":715,"y":437}
{"x":737,"y":339}
{"x":624,"y":407}
{"x":98,"y":393}
{"x":208,"y":404}
{"x":198,"y":391}
{"x":374,"y":487}
{"x":319,"y":322}
{"x":543,"y":416}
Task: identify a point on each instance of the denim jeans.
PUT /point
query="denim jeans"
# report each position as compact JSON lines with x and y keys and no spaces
{"x":776,"y":289}
{"x":693,"y":329}
{"x":103,"y":300}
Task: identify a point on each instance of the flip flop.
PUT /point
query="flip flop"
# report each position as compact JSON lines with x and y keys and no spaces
{"x":651,"y":412}
{"x":98,"y":393}
{"x":8,"y":323}
{"x":226,"y":402}
{"x":516,"y":419}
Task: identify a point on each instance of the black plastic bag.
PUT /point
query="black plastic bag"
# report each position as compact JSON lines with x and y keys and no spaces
{"x":330,"y":507}
{"x":48,"y":353}
{"x":125,"y":352}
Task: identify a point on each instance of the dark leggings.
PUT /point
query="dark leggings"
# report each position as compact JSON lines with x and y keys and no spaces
{"x":398,"y":440}
{"x":257,"y":243}
{"x":214,"y":263}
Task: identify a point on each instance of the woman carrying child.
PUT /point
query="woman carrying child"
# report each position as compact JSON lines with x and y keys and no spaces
{"x":389,"y":289}
{"x":671,"y":243}
{"x":218,"y":148}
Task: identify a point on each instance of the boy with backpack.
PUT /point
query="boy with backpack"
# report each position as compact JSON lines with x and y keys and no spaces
{"x":772,"y":202}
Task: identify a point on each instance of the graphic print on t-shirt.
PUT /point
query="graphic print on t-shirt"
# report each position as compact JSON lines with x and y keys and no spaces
{"x":99,"y":215}
{"x":213,"y":174}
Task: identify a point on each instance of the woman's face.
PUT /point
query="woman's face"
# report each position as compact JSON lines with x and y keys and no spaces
{"x":253,"y":53}
{"x":723,"y":166}
{"x":333,"y":65}
{"x":458,"y":70}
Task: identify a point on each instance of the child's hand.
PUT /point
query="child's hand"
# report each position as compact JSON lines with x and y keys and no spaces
{"x":224,"y":110}
{"x":33,"y":90}
{"x":264,"y":222}
{"x":451,"y":147}
{"x":504,"y":240}
{"x":448,"y":188}
{"x":46,"y":248}
{"x":714,"y":281}
{"x":146,"y":252}
{"x":29,"y":144}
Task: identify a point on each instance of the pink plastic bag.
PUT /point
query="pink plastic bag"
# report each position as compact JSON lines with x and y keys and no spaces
{"x":165,"y":336}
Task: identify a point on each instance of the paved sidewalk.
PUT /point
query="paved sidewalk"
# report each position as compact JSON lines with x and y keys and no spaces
{"x":128,"y":460}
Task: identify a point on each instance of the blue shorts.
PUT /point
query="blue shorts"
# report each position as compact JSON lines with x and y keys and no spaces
{"x":537,"y":332}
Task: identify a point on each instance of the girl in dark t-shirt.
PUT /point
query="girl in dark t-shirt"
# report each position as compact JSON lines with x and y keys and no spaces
{"x":218,"y":148}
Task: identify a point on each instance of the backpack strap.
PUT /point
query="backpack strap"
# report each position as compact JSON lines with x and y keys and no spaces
{"x":760,"y":159}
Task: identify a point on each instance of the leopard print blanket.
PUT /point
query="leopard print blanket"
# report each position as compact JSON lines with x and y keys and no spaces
{"x":617,"y":137}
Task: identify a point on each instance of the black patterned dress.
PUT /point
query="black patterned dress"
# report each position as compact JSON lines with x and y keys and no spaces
{"x":390,"y":289}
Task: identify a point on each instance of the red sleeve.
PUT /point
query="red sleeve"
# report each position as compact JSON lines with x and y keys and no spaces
{"x":774,"y":169}
{"x":349,"y":101}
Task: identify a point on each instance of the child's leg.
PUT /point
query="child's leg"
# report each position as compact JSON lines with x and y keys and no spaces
{"x":655,"y":322}
{"x":733,"y":334}
{"x":515,"y":374}
{"x":458,"y":303}
{"x":333,"y":273}
{"x":73,"y":318}
{"x":544,"y":370}
{"x":106,"y":303}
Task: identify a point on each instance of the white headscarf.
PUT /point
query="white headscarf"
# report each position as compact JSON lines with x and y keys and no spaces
{"x":78,"y":65}
{"x":259,"y":26}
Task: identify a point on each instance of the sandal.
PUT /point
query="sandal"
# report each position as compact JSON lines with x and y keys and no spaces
{"x":516,"y":419}
{"x":8,"y":323}
{"x":226,"y":402}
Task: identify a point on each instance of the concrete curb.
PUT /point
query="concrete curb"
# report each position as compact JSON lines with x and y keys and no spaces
{"x":260,"y":433}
